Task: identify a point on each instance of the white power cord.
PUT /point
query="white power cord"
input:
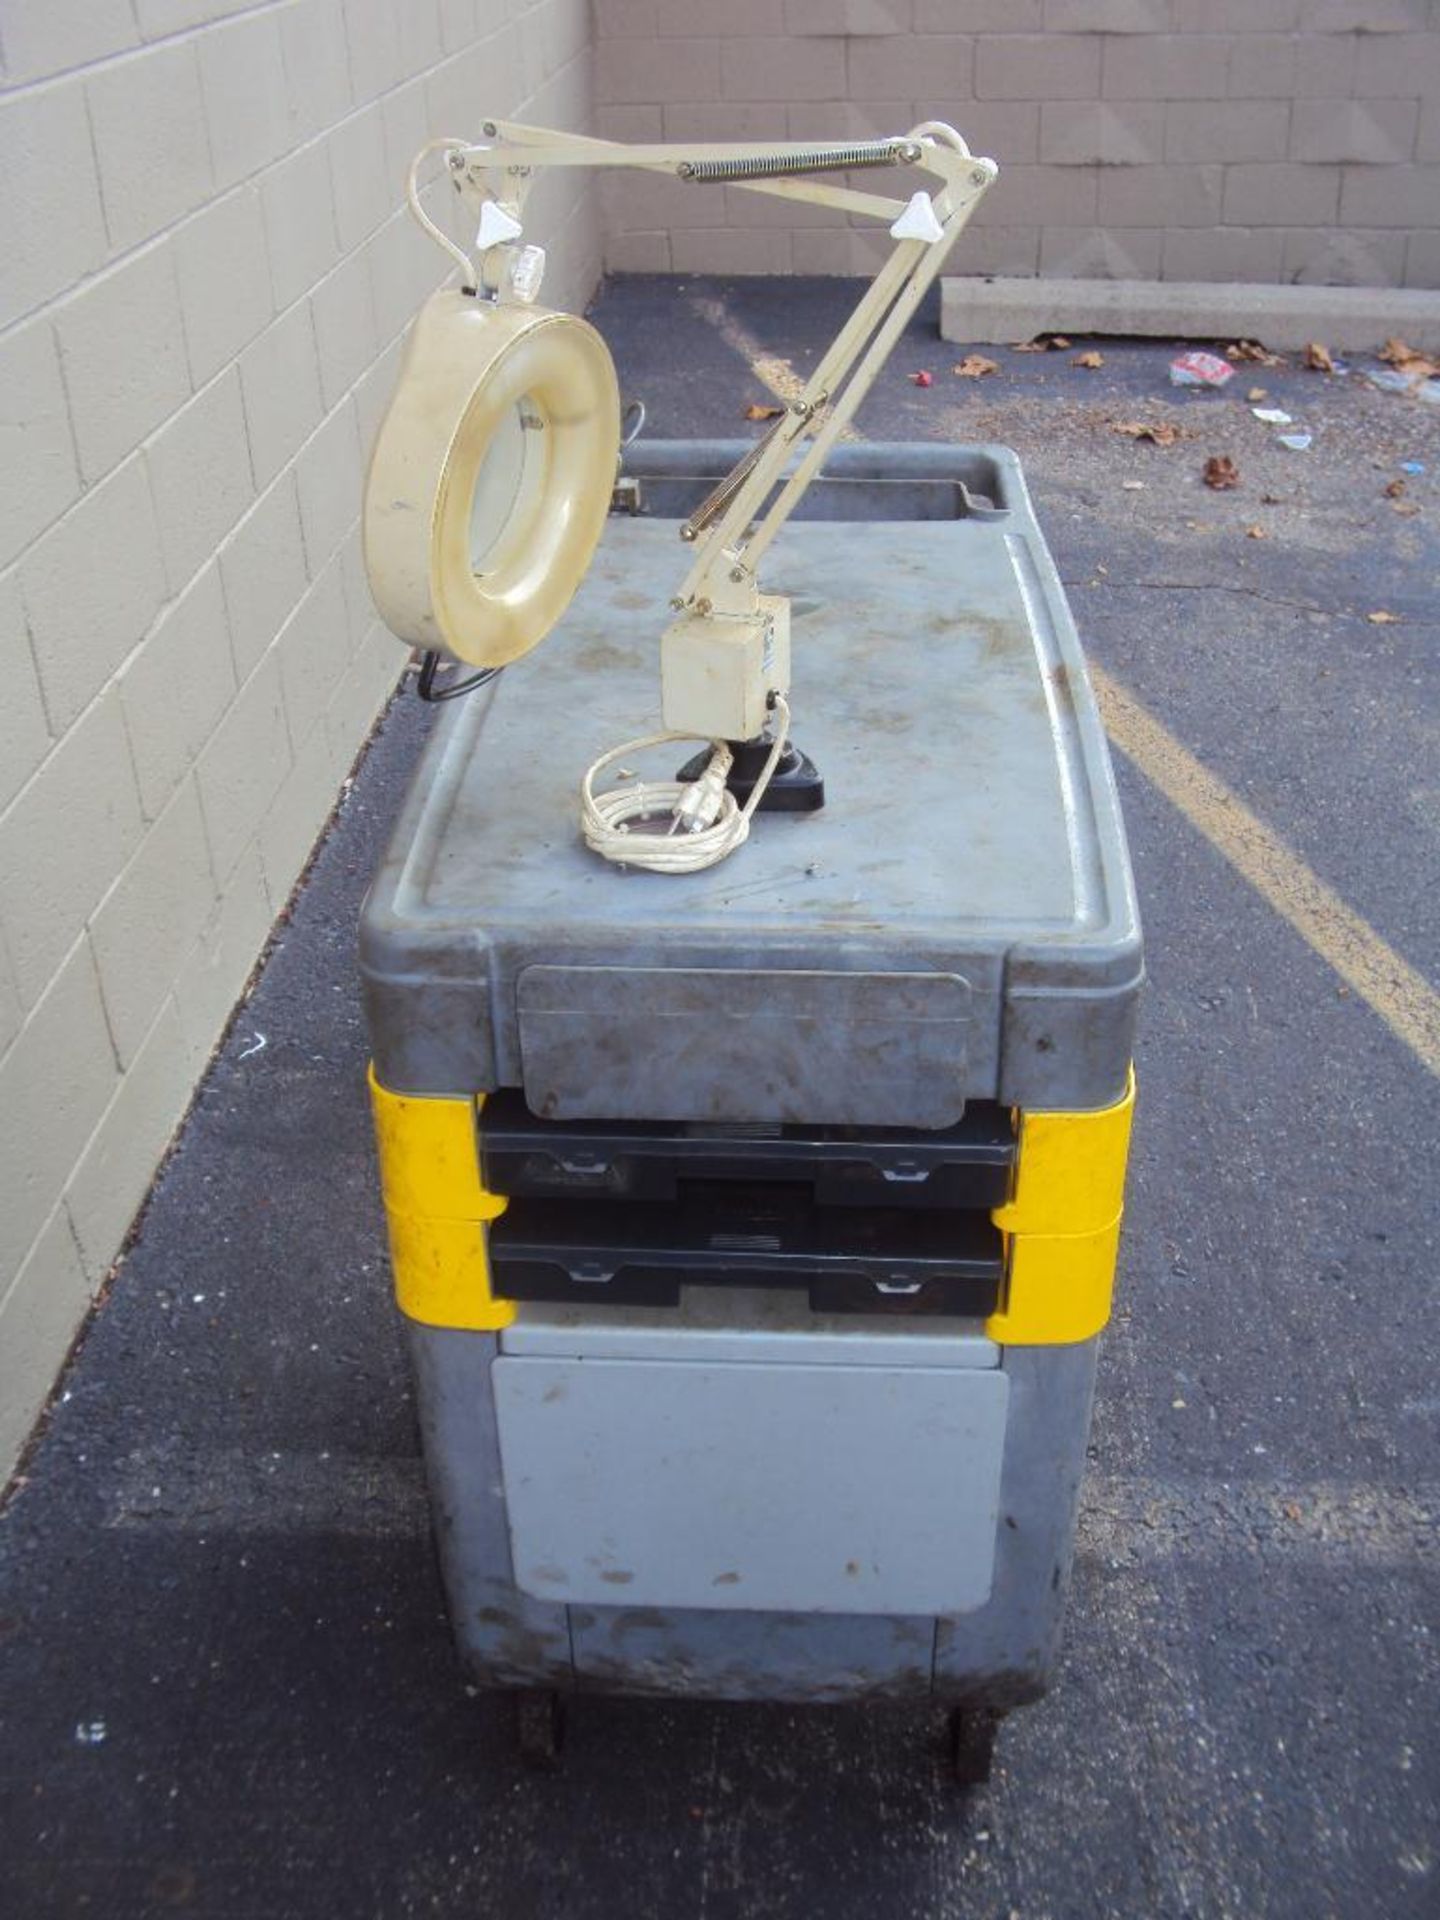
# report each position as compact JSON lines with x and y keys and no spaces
{"x":706,"y":821}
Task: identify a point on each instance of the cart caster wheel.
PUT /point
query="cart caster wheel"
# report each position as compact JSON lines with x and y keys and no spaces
{"x":539,"y":1728}
{"x":972,"y":1744}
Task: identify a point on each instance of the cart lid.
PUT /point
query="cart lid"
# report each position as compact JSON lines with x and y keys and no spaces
{"x":957,"y":923}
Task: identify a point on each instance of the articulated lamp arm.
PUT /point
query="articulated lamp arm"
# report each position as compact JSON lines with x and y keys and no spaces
{"x":722,"y":576}
{"x":725,"y":658}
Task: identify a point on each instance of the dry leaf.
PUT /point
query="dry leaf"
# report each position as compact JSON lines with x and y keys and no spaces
{"x":1251,"y":350}
{"x":1091,"y":359}
{"x":1408,"y":507}
{"x":1160,"y":431}
{"x":1291,"y":1511}
{"x":1030,"y":346}
{"x":1256,"y":533}
{"x":1395,"y":490}
{"x":1408,"y":360}
{"x":1221,"y":472}
{"x":1382,"y":619}
{"x":1317,"y":358}
{"x":1057,"y":343}
{"x":757,"y":412}
{"x":974,"y":365}
{"x":1257,"y":393}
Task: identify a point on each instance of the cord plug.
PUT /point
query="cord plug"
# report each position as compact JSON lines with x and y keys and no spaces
{"x":699,"y":804}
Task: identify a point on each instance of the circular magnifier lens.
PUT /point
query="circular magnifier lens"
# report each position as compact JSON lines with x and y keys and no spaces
{"x":491,"y":477}
{"x":507,"y":482}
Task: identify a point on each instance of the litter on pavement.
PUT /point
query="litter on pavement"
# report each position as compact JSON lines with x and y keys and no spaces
{"x":1200,"y":370}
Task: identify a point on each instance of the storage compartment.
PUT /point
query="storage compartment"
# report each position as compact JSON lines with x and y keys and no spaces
{"x":805,"y":1489}
{"x":965,"y":1165}
{"x":768,"y":1236}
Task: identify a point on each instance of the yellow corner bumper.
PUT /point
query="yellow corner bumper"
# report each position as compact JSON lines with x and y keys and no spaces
{"x":436,"y":1207}
{"x":1062,"y":1225}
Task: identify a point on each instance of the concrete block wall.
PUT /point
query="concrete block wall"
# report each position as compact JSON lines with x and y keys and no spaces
{"x":204,"y":276}
{"x":1273,"y":141}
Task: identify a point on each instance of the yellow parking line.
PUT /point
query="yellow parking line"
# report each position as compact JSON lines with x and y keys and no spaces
{"x":768,"y":368}
{"x":1404,"y":999}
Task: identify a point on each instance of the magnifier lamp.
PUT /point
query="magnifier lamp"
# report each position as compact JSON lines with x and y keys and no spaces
{"x":493,"y":470}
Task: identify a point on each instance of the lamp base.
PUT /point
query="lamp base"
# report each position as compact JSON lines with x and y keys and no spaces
{"x":796,"y":786}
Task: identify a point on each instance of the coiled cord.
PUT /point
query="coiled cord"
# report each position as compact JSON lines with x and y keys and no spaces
{"x":707,"y":822}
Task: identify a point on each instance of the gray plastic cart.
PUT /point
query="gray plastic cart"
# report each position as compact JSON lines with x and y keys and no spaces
{"x":756,"y":1228}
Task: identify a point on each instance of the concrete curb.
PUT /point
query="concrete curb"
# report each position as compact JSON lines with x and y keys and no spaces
{"x":992,"y":312}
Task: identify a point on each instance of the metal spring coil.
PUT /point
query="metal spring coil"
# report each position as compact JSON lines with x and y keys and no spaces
{"x":759,"y":166}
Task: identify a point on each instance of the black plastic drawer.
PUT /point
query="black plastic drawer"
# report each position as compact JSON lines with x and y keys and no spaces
{"x":964,"y":1166}
{"x":848,"y":1262}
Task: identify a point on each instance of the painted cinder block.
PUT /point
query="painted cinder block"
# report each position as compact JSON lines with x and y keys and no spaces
{"x":298,"y":207}
{"x":215,"y":971}
{"x":1422,"y":259}
{"x":1049,"y":196}
{"x":904,"y":66}
{"x":242,"y":84}
{"x":1398,"y":66}
{"x":1161,"y":196}
{"x":55,"y":1082}
{"x":1100,"y":253}
{"x":365,"y":193}
{"x":1108,"y":133}
{"x":200,"y":476}
{"x":1368,"y":132}
{"x":979,"y":16}
{"x":1107,"y":16}
{"x":280,"y":382}
{"x":222,"y":267}
{"x":313,"y":650}
{"x":24,"y":730}
{"x":298,"y":814}
{"x":38,"y":1316}
{"x":1335,"y":257}
{"x":150,"y":919}
{"x":122,"y":348}
{"x":317,"y":66}
{"x":1389,"y":196}
{"x":365,"y":686}
{"x":262,"y":567}
{"x":1282,"y":195}
{"x":1225,"y":130}
{"x":325,"y":471}
{"x":1039,"y":66}
{"x":54,"y":225}
{"x":737,"y":19}
{"x":1167,"y":66}
{"x":1237,"y":16}
{"x":661,"y":69}
{"x":39,"y":472}
{"x":242,"y":766}
{"x":151,"y":140}
{"x":175,"y":687}
{"x":342,"y":308}
{"x":113,"y":1174}
{"x":91,"y":586}
{"x":42,"y":38}
{"x":1222,"y":253}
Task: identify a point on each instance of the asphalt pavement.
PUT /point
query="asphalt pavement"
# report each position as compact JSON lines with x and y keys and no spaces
{"x":226,"y":1678}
